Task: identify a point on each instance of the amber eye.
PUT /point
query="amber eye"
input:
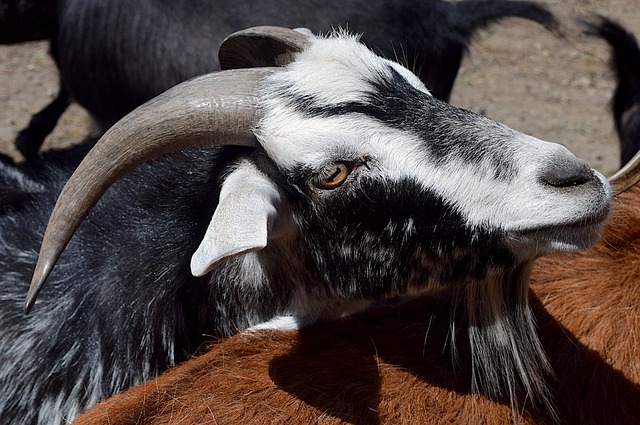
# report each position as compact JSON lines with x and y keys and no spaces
{"x":333,"y":176}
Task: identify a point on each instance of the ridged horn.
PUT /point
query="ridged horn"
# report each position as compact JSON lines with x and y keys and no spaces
{"x":626,"y":176}
{"x":261,"y":46}
{"x":218,"y":108}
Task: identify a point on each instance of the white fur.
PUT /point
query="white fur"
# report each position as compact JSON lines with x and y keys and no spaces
{"x":243,"y":219}
{"x":282,"y":323}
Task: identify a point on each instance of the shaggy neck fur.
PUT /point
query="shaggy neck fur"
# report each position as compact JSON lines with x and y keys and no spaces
{"x":507,"y":358}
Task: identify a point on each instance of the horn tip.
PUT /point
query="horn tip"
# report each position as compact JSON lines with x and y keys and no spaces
{"x":40,"y":276}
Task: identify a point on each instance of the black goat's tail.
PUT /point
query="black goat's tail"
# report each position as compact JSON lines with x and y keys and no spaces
{"x":625,"y":63}
{"x":626,"y":53}
{"x":473,"y":15}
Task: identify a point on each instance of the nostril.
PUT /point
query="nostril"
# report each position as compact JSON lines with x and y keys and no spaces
{"x":567,"y":174}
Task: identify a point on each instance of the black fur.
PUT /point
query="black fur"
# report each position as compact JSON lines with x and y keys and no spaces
{"x":130,"y":271}
{"x":27,"y":20}
{"x":402,"y":233}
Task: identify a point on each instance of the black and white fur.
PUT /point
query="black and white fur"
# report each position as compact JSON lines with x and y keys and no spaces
{"x":436,"y":199}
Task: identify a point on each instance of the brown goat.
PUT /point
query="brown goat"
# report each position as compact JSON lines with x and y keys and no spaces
{"x":396,"y":364}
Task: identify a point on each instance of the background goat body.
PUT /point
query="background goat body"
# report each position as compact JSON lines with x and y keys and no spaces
{"x":114,"y":55}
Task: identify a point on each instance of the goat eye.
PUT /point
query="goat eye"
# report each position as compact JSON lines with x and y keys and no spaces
{"x":333,"y":176}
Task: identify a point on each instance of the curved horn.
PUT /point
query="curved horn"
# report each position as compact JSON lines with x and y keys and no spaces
{"x":261,"y":46}
{"x":218,"y":108}
{"x":626,"y":176}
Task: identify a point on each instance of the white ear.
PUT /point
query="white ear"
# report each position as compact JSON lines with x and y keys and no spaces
{"x":242,"y":221}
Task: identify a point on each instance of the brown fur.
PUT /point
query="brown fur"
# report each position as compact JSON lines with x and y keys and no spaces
{"x":394,"y":365}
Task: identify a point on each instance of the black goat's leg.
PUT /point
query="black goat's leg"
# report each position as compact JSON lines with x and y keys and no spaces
{"x":41,"y":124}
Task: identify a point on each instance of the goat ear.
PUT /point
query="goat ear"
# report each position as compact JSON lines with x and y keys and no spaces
{"x":243,"y":221}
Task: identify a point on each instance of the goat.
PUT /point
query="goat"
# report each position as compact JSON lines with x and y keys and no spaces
{"x":115,"y":55}
{"x":625,"y":63}
{"x":395,"y":364}
{"x":351,"y":184}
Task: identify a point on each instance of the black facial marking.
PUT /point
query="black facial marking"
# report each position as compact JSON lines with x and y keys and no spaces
{"x":373,"y":239}
{"x":448,"y":132}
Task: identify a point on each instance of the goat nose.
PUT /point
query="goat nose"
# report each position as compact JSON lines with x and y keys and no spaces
{"x":567,"y":173}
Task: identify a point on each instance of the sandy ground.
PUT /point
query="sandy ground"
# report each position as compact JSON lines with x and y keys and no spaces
{"x":516,"y":72}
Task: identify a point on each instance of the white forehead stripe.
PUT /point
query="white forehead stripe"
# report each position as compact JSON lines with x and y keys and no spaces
{"x":332,"y":71}
{"x":338,"y":69}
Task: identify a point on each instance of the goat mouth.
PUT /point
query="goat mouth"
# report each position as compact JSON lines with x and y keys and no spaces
{"x":579,"y":233}
{"x":596,"y":218}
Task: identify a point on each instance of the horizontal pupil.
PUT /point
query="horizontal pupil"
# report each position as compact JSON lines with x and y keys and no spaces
{"x":336,"y":172}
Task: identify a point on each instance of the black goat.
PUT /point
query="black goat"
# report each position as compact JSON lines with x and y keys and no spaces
{"x":625,"y":62}
{"x":114,"y":54}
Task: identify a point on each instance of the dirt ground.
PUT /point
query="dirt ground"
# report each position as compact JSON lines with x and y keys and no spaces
{"x":517,"y":73}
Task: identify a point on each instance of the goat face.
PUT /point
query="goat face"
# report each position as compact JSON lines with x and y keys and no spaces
{"x":387,"y":179}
